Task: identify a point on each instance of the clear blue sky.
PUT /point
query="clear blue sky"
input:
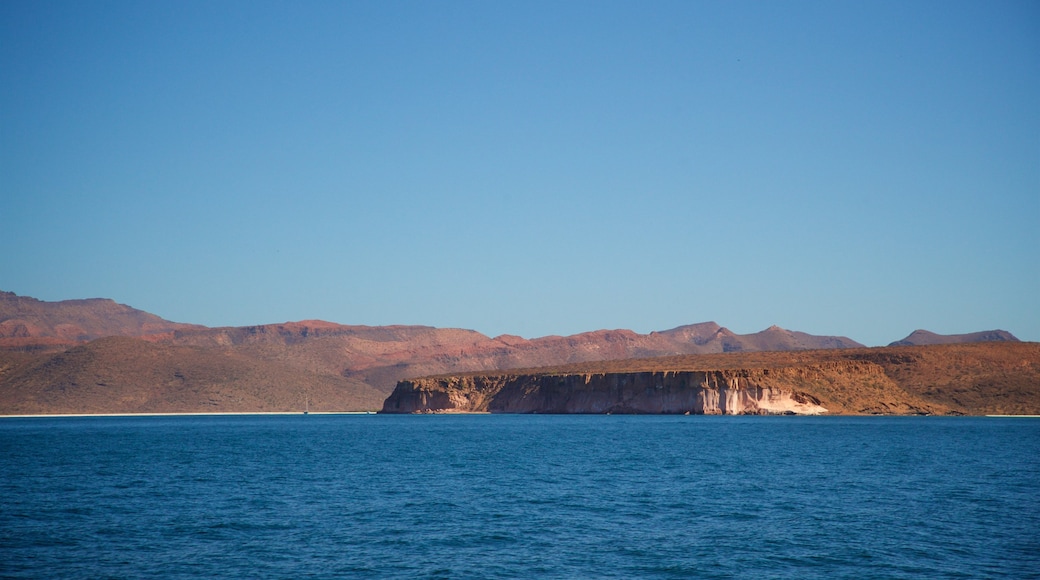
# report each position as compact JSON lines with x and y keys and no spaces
{"x":861,"y":168}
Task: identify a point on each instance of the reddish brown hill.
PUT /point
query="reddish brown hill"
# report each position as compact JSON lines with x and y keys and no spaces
{"x":381,"y":356}
{"x":375,"y":355}
{"x":990,"y":378}
{"x":923,"y":337}
{"x":506,"y":352}
{"x":34,"y":324}
{"x":127,"y":375}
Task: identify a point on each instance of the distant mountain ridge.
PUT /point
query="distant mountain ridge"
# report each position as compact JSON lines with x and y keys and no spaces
{"x":26,"y":321}
{"x":311,"y":355}
{"x":924,"y":337}
{"x":377,"y":355}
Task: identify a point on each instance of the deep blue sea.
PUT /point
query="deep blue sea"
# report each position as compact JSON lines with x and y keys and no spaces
{"x":521,"y":496}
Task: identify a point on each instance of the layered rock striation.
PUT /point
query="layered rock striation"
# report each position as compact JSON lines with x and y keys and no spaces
{"x":955,"y":379}
{"x":718,"y":392}
{"x":124,"y":375}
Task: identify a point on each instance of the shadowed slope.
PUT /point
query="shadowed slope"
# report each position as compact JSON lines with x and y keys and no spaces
{"x":126,"y":375}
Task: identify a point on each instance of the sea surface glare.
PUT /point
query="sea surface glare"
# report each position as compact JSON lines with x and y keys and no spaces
{"x":497,"y":496}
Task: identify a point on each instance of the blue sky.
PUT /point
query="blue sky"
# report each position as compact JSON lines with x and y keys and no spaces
{"x":532,"y":168}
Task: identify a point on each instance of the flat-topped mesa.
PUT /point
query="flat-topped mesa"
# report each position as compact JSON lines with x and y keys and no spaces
{"x":717,"y":392}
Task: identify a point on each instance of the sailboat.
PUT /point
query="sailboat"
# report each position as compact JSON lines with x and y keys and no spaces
{"x":306,"y":406}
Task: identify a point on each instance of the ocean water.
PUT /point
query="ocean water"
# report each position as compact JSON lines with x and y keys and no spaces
{"x":494,"y":496}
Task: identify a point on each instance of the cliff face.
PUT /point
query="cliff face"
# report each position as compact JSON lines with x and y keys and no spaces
{"x":961,"y":379}
{"x":721,"y":392}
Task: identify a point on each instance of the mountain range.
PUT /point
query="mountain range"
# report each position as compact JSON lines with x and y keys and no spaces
{"x":96,"y":355}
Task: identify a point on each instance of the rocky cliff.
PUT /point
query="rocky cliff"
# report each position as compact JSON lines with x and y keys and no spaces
{"x":984,"y":378}
{"x":668,"y":392}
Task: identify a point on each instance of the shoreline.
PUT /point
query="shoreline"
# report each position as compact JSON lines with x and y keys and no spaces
{"x":290,"y":413}
{"x":203,"y":414}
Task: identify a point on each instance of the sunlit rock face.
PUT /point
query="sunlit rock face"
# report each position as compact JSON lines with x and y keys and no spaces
{"x":728,"y":392}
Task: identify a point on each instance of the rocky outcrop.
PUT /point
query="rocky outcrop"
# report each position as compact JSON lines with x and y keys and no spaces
{"x":955,"y":379}
{"x":720,"y":392}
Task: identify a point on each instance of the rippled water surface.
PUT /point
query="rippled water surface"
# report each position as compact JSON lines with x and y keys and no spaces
{"x":519,"y":497}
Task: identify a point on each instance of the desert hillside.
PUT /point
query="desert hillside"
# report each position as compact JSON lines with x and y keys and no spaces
{"x":30,"y":324}
{"x":64,"y":357}
{"x":128,"y":375}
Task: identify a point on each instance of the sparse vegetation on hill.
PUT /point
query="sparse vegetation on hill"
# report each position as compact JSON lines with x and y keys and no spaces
{"x":99,"y":356}
{"x":958,"y":379}
{"x":30,"y":324}
{"x":128,"y":375}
